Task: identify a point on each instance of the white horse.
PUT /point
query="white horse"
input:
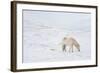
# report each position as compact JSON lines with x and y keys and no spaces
{"x":71,"y":43}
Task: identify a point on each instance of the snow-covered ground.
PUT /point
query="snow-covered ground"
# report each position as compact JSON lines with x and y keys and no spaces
{"x":45,"y":46}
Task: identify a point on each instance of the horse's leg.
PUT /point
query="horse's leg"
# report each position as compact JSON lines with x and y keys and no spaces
{"x":72,"y":47}
{"x":69,"y":48}
{"x":64,"y":47}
